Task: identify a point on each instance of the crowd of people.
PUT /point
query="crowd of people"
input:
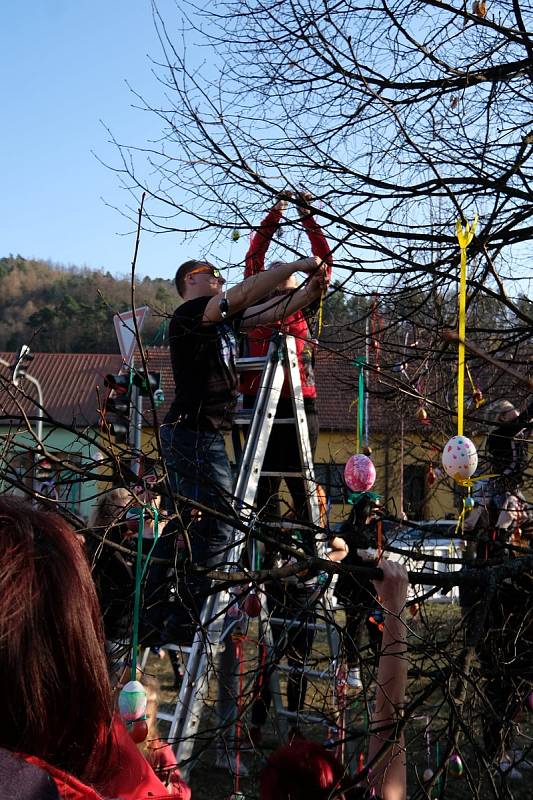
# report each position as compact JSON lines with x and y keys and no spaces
{"x":61,"y":734}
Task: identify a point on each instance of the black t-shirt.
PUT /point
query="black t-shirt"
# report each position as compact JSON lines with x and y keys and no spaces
{"x":203,"y":364}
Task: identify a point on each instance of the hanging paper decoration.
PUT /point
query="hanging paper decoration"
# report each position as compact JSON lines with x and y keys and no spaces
{"x":132,"y":701}
{"x":459,"y":458}
{"x":455,"y":765}
{"x":359,"y":473}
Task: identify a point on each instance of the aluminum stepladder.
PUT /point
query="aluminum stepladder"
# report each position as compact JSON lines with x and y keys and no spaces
{"x":323,"y":598}
{"x":186,"y":716}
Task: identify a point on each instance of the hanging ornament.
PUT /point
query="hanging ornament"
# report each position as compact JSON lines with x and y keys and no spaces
{"x":138,"y":730}
{"x":428,"y":774}
{"x":132,"y":701}
{"x":422,"y":416}
{"x":235,"y":235}
{"x":459,"y":458}
{"x":431,"y":475}
{"x":252,"y":605}
{"x":530,"y":701}
{"x":469,"y":504}
{"x":479,"y":8}
{"x":455,"y":765}
{"x":359,"y":473}
{"x":478,"y":398}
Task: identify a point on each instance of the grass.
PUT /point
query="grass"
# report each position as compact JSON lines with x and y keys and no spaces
{"x":435,"y":644}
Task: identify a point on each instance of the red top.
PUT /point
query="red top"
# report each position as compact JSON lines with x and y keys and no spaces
{"x":295,"y":325}
{"x":130,"y":776}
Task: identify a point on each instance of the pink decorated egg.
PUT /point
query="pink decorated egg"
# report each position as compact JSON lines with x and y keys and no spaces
{"x":459,"y":458}
{"x":359,"y":473}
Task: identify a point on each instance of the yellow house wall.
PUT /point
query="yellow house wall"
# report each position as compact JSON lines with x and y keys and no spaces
{"x":337,"y":446}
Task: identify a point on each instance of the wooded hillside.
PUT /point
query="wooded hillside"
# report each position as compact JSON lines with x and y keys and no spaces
{"x":61,"y":309}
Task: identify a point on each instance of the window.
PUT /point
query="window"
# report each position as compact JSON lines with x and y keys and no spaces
{"x":331,"y":478}
{"x":414,"y":490}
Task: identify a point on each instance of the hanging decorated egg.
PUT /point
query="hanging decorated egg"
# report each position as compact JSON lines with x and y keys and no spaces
{"x":455,"y":765}
{"x":459,"y":458}
{"x":431,"y":475}
{"x":469,"y":504}
{"x":235,"y":235}
{"x":428,"y":774}
{"x":478,"y":398}
{"x":252,"y":605}
{"x":359,"y":473}
{"x":422,"y":416}
{"x":139,"y":730}
{"x":132,"y":701}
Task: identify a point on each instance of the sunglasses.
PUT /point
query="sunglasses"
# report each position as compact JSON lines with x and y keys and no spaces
{"x":211,"y":270}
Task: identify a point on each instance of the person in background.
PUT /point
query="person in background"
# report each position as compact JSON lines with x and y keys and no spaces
{"x":283,"y":454}
{"x":357,"y":595}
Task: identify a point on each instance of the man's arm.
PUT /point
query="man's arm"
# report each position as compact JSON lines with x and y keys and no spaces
{"x":281,"y":308}
{"x":255,"y":257}
{"x":388,"y":777}
{"x":255,"y":288}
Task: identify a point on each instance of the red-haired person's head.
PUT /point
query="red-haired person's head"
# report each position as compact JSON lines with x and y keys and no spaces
{"x":57,"y":702}
{"x":302,"y":770}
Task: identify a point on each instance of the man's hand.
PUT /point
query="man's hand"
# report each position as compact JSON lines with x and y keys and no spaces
{"x":304,"y":197}
{"x":282,"y":204}
{"x":307,"y":265}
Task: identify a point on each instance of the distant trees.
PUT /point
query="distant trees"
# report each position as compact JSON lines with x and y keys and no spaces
{"x":71,"y":310}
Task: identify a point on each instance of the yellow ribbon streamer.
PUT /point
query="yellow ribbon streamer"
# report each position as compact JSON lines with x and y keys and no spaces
{"x":464,"y":237}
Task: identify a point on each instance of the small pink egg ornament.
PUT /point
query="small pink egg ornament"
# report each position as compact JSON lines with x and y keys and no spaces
{"x":459,"y":458}
{"x":455,"y":765}
{"x":359,"y":473}
{"x":428,"y":774}
{"x":132,"y":701}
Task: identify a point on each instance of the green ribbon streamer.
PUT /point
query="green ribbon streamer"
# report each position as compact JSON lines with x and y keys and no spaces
{"x":359,"y":363}
{"x":354,"y":497}
{"x":140,"y":572}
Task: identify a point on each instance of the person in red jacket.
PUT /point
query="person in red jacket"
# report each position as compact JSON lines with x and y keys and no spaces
{"x":57,"y":710}
{"x":282,"y":453}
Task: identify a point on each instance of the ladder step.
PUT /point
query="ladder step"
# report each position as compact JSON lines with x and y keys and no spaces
{"x":273,"y":474}
{"x":241,"y":418}
{"x":309,"y":673}
{"x":291,"y":623}
{"x":250,"y":363}
{"x":301,"y":715}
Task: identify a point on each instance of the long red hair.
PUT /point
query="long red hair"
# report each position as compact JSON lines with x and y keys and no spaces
{"x":56,"y":697}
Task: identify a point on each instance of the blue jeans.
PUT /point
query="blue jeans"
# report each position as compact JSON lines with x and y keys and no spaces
{"x":199,"y":469}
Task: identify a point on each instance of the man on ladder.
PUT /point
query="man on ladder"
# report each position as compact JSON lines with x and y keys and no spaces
{"x":203,"y":347}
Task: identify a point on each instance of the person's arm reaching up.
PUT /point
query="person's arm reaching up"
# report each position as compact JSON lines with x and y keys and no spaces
{"x":319,"y":243}
{"x":257,"y":287}
{"x":254,"y":261}
{"x":279,"y":309}
{"x":388,"y":777}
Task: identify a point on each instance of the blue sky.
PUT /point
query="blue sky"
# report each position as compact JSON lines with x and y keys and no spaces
{"x":63,"y":70}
